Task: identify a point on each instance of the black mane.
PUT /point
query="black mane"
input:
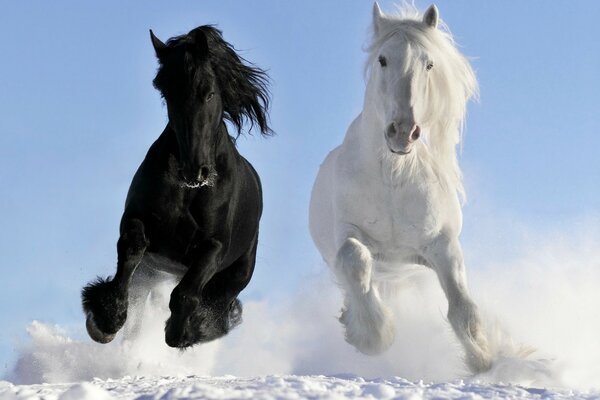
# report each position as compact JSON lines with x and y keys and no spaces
{"x":244,"y":87}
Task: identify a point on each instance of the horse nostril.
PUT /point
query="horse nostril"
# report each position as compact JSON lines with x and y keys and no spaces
{"x":203,"y":174}
{"x":416,"y":133}
{"x":391,"y":130}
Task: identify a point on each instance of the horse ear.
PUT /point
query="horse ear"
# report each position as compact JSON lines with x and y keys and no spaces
{"x":431,"y":16}
{"x":159,"y":47}
{"x":201,"y":42}
{"x":378,"y":17}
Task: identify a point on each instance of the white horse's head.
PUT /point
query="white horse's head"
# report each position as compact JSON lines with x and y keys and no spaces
{"x":417,"y":78}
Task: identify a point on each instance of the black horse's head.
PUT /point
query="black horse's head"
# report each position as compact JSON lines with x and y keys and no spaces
{"x":203,"y":81}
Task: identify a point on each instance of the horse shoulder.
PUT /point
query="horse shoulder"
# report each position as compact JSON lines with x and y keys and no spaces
{"x":154,"y":188}
{"x":359,"y":200}
{"x":236,"y":209}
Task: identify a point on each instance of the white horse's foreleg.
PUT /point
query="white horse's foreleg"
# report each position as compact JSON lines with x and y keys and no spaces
{"x":445,"y":257}
{"x":368,"y":322}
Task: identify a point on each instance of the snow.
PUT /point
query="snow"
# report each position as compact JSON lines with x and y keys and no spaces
{"x":277,"y":387}
{"x":541,"y":318}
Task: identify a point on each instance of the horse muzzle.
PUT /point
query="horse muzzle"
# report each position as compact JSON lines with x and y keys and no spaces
{"x":204,"y":175}
{"x":400,"y":137}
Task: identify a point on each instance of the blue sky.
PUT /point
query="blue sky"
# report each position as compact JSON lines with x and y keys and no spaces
{"x":79,"y":112}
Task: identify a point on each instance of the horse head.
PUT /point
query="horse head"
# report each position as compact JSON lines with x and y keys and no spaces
{"x":400,"y":74}
{"x":203,"y":81}
{"x":417,"y":78}
{"x":188,"y":84}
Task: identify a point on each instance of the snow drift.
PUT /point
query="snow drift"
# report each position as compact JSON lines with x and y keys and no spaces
{"x":541,"y":305}
{"x":278,"y":387}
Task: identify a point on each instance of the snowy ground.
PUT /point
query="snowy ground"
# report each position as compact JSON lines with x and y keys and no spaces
{"x":541,"y":312}
{"x":277,"y":387}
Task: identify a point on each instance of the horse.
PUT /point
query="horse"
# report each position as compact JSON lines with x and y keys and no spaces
{"x":193,"y":208}
{"x":390,"y":195}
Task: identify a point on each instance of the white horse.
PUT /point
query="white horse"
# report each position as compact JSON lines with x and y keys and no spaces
{"x":390,"y":194}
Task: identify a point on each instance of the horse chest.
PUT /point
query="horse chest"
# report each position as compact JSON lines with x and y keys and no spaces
{"x":413,"y":214}
{"x":175,"y":218}
{"x":392,"y":215}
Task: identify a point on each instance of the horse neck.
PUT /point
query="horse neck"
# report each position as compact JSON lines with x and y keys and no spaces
{"x":225,"y":143}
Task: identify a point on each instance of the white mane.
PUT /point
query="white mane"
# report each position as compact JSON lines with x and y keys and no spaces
{"x":453,"y":82}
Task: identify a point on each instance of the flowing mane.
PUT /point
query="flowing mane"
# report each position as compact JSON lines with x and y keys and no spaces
{"x":244,"y":87}
{"x":453,"y":83}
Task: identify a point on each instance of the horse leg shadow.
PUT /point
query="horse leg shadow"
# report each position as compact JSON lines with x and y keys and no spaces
{"x":105,"y":301}
{"x":367,"y":320}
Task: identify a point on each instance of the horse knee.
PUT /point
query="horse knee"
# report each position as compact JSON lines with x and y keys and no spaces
{"x":354,"y":265}
{"x":131,"y":247}
{"x":132,"y":242}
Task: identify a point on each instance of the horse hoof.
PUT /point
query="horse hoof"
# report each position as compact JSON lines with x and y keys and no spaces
{"x":96,"y":334}
{"x":369,"y":336}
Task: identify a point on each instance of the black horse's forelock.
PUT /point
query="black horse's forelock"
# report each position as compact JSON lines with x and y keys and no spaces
{"x":244,"y":87}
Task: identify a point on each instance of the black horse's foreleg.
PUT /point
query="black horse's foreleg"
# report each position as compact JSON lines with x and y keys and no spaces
{"x":204,"y":306}
{"x":185,"y":302}
{"x":205,"y":259}
{"x":222,"y":290}
{"x":105,"y":300}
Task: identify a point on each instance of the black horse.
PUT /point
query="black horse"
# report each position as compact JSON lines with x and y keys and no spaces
{"x":194,"y":204}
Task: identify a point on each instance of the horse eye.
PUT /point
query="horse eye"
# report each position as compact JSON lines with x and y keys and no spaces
{"x":429,"y":65}
{"x":210,"y":96}
{"x":382,"y":61}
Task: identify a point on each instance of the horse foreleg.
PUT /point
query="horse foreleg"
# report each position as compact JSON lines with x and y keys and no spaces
{"x":105,"y":300}
{"x":368,"y":322}
{"x":445,"y":257}
{"x":221,"y":292}
{"x":187,"y":310}
{"x":214,"y":308}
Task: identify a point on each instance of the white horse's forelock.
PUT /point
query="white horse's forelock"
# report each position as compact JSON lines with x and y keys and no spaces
{"x":453,"y":83}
